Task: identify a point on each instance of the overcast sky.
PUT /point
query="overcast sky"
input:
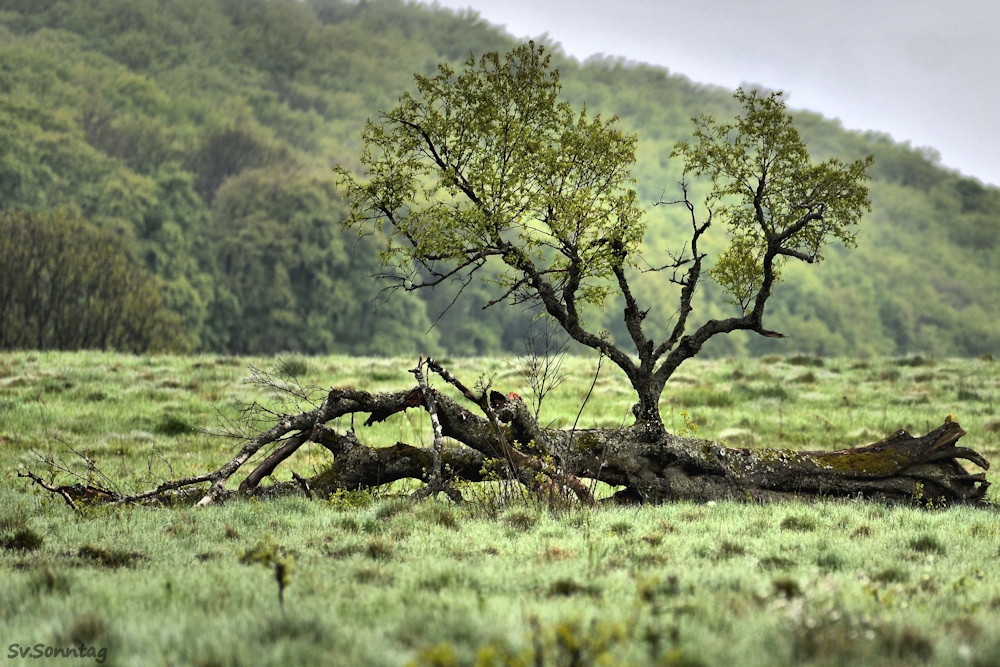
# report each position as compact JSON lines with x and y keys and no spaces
{"x":923,"y":71}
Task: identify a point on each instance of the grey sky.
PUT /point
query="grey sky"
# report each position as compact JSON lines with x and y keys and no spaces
{"x":923,"y":71}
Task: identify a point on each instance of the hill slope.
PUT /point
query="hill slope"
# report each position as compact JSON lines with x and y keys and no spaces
{"x":203,"y":132}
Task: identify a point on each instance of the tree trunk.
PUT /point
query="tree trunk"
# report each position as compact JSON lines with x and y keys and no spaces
{"x":899,"y":468}
{"x":652,"y":466}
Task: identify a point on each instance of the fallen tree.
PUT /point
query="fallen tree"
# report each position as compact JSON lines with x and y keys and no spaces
{"x":486,"y":172}
{"x":498,"y":435}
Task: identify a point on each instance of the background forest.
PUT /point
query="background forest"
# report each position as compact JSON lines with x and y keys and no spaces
{"x":195,"y":139}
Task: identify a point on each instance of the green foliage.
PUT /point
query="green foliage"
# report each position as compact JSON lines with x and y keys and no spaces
{"x":775,"y":203}
{"x":488,"y":163}
{"x":136,"y":113}
{"x":292,"y":277}
{"x":228,"y":152}
{"x":67,"y":285}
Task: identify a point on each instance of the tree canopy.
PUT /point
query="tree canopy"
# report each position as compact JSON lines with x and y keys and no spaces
{"x":775,"y":203}
{"x":489,"y":164}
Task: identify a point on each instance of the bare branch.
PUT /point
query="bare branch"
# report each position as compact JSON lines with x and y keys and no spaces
{"x":63,"y":491}
{"x":435,"y":477}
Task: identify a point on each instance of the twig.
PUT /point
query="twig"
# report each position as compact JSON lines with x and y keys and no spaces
{"x":61,"y":490}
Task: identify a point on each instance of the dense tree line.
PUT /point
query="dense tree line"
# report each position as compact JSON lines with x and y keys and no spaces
{"x":200,"y":133}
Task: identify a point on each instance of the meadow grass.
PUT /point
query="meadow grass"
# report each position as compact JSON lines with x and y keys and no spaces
{"x":378,"y":580}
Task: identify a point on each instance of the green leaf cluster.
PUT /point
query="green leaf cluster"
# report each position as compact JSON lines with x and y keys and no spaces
{"x":488,"y":163}
{"x":770,"y":195}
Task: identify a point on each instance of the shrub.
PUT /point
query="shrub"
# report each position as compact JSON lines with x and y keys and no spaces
{"x":293,"y":367}
{"x":379,"y":549}
{"x":805,"y":360}
{"x":521,"y":520}
{"x":620,"y":528}
{"x":570,"y":587}
{"x":799,"y":523}
{"x":110,"y":558}
{"x":751,"y":392}
{"x":786,"y":587}
{"x":729,"y":549}
{"x":15,"y":534}
{"x":891,"y":575}
{"x":927,"y":544}
{"x":171,"y":424}
{"x":776,"y":563}
{"x":69,"y":285}
{"x":829,"y":562}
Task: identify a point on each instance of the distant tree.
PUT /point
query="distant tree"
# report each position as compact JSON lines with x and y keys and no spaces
{"x":67,"y":285}
{"x":278,"y":36}
{"x":227,"y":152}
{"x":298,"y":281}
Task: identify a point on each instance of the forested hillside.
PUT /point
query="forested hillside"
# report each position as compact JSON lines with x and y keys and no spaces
{"x":202,"y":133}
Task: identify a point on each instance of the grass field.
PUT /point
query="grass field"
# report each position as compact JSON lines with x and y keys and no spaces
{"x":377,"y":580}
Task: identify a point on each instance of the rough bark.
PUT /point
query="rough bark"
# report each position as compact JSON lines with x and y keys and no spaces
{"x":652,"y":466}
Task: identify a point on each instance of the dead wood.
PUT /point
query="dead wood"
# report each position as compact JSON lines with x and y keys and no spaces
{"x":505,"y":439}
